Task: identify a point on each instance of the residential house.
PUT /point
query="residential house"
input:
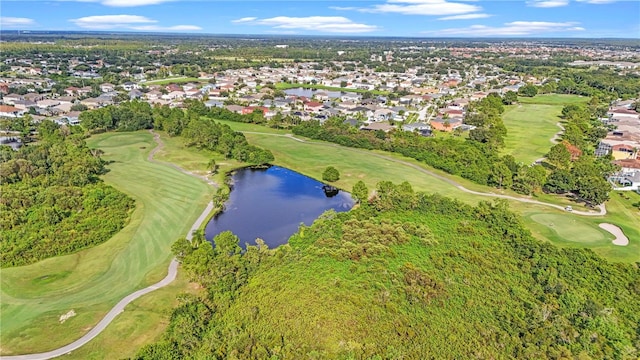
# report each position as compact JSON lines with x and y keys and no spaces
{"x":24,"y":104}
{"x":235,"y":108}
{"x":10,"y":111}
{"x":313,"y":106}
{"x":48,"y":103}
{"x":91,"y":103}
{"x":624,"y":151}
{"x":173,"y":95}
{"x":128,"y":86}
{"x":106,"y":87}
{"x":251,"y":109}
{"x":378,"y":126}
{"x":421,"y":128}
{"x":447,"y":125}
{"x":153,"y":95}
{"x":10,"y":99}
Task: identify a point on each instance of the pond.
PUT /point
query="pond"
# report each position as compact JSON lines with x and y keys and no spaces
{"x":310,"y":92}
{"x":271,"y":203}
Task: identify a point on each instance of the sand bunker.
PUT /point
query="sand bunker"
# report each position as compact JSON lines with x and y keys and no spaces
{"x":620,"y":239}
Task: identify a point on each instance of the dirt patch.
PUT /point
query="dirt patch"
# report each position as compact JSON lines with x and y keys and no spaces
{"x":621,"y":239}
{"x":67,"y":316}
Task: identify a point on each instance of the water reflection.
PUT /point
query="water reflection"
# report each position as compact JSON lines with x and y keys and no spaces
{"x":270,"y":204}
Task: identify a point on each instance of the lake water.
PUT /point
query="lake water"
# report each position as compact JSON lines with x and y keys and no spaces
{"x":270,"y":204}
{"x":310,"y":92}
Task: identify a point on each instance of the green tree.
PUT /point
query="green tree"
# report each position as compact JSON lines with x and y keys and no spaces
{"x":510,"y":97}
{"x":528,"y":90}
{"x":559,"y":181}
{"x":331,"y":174}
{"x":501,"y":175}
{"x":360,"y":192}
{"x":559,"y":156}
{"x":593,"y":189}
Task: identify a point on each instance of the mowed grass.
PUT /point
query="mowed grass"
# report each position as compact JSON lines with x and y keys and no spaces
{"x":530,"y":128}
{"x":313,"y":157}
{"x":553,"y":99}
{"x":142,"y":323}
{"x":568,"y":230}
{"x":90,"y":282}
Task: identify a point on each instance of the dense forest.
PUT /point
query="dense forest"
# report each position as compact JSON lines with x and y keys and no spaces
{"x":53,"y":202}
{"x":404,"y":276}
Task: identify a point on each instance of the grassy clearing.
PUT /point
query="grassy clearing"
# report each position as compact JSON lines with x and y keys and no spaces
{"x":284,"y":86}
{"x":91,"y":281}
{"x":530,"y":128}
{"x":553,"y":99}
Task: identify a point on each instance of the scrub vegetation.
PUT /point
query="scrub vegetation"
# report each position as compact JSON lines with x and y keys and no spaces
{"x":405,"y":275}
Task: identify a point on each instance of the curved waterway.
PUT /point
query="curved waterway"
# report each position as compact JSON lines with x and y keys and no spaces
{"x":271,"y":203}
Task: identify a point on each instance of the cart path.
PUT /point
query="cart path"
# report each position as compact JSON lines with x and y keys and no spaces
{"x":120,"y":306}
{"x":602,"y":209}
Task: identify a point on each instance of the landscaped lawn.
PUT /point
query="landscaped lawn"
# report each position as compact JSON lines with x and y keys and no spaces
{"x":553,"y":99}
{"x":530,"y":128}
{"x":91,"y":281}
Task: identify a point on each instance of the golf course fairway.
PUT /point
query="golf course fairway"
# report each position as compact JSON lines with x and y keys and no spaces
{"x":91,"y":281}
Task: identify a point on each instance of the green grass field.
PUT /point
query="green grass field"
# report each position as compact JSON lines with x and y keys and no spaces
{"x":530,"y":128}
{"x":553,"y":99}
{"x":90,"y":282}
{"x":143,"y":322}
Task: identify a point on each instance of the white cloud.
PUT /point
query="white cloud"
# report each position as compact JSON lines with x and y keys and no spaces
{"x":548,"y":3}
{"x":516,"y":28}
{"x":124,"y":3}
{"x":244,"y":19}
{"x":423,"y":7}
{"x":127,"y":22}
{"x":465,"y":17}
{"x":102,"y":22}
{"x":15,"y":22}
{"x":325,"y":24}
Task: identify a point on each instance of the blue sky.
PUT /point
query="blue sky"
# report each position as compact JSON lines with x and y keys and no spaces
{"x":414,"y":18}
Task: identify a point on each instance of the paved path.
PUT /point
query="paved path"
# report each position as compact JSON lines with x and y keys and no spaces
{"x":119,"y":307}
{"x":602,"y":210}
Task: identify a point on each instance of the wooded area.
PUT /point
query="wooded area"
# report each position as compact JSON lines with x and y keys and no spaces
{"x":405,"y":275}
{"x":53,"y":202}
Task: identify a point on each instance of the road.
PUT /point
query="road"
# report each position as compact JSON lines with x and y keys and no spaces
{"x":602,"y":209}
{"x":119,"y":307}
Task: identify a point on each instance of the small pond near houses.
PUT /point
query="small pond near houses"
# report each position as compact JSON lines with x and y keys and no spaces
{"x":271,"y":203}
